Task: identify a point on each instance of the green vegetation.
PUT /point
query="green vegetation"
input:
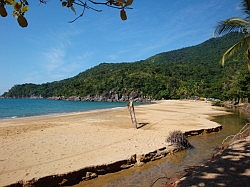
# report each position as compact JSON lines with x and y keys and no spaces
{"x":241,"y":25}
{"x":183,"y":73}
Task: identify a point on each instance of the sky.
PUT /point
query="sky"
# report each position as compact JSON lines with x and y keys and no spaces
{"x":52,"y":49}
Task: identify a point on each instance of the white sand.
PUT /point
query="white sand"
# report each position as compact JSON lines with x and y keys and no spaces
{"x":41,"y":146}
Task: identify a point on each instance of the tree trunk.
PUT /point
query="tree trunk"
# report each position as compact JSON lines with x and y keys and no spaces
{"x":132,"y":113}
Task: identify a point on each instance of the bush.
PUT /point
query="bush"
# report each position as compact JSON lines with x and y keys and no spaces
{"x":218,"y":103}
{"x":178,"y":139}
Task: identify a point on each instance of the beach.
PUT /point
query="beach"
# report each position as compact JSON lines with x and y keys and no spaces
{"x":36,"y":147}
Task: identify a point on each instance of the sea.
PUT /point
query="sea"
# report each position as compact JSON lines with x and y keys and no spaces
{"x":16,"y":108}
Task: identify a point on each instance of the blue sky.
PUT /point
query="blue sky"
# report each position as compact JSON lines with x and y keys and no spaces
{"x":51,"y":49}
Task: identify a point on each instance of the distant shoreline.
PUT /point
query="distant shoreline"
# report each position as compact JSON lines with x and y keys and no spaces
{"x":55,"y":114}
{"x":28,"y":107}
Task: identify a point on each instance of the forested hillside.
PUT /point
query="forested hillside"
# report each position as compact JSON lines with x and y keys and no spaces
{"x":183,"y":73}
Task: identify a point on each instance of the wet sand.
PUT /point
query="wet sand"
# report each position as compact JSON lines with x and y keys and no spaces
{"x":50,"y":145}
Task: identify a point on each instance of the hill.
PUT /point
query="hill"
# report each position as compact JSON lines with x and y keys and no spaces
{"x":187,"y":72}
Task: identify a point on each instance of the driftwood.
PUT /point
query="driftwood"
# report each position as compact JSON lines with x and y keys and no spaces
{"x":132,"y":113}
{"x":178,"y":139}
{"x":245,"y":131}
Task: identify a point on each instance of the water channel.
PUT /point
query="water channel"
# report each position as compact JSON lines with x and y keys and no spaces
{"x":173,"y":165}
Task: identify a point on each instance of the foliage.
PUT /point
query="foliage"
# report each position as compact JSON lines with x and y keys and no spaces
{"x":183,"y":73}
{"x":240,"y":25}
{"x":20,"y":7}
{"x":218,"y":103}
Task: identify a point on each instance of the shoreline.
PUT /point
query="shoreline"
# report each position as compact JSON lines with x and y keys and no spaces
{"x":69,"y":112}
{"x":58,"y":114}
{"x":46,"y":147}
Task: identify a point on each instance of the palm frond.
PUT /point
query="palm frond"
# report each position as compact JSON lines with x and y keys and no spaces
{"x":231,"y":25}
{"x":246,"y":7}
{"x":235,"y":48}
{"x":248,"y":59}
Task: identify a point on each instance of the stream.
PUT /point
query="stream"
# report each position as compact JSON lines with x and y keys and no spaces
{"x":173,"y":165}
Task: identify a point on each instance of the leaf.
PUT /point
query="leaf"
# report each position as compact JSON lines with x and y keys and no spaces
{"x":73,"y":9}
{"x":25,"y":2}
{"x":119,"y":3}
{"x":230,"y":25}
{"x":70,"y":3}
{"x":248,"y":59}
{"x":111,"y":2}
{"x":25,"y":8}
{"x":17,"y":6}
{"x":22,"y":21}
{"x":129,"y":2}
{"x":235,"y":48}
{"x":10,"y":2}
{"x":123,"y":14}
{"x":3,"y":11}
{"x":64,"y":3}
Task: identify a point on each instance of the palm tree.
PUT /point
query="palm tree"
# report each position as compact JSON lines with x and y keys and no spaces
{"x":241,"y":25}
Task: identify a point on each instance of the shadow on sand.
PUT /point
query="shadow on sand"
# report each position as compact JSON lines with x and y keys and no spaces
{"x":231,"y":168}
{"x":140,"y":125}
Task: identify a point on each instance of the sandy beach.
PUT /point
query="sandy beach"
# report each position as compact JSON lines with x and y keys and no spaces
{"x":35,"y":147}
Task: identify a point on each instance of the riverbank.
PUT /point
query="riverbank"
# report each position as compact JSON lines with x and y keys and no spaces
{"x":49,"y":148}
{"x":228,"y":167}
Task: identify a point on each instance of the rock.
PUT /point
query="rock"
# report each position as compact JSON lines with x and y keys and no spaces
{"x":90,"y":175}
{"x":107,"y":97}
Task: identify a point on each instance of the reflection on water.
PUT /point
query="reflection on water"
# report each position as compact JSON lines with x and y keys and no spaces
{"x":173,"y":165}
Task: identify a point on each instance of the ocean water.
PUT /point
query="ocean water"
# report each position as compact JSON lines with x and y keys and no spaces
{"x":15,"y":108}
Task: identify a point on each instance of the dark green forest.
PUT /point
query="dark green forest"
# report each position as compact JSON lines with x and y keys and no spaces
{"x":182,"y":73}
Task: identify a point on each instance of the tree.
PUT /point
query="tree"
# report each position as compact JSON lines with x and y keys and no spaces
{"x":241,"y":25}
{"x":20,"y":7}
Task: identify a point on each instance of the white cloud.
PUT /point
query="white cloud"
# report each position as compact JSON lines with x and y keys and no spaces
{"x":62,"y":56}
{"x":54,"y":58}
